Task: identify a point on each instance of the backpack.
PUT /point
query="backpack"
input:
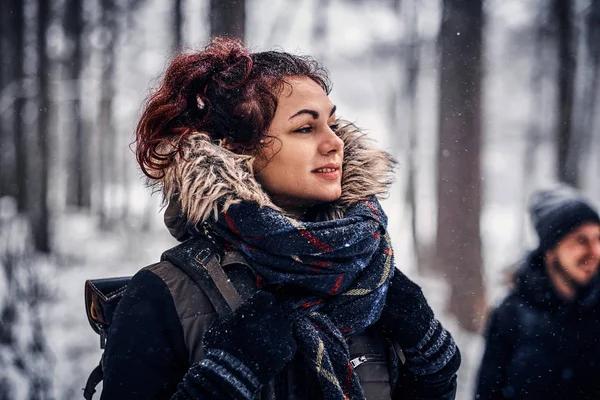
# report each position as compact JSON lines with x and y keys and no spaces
{"x":103,"y":295}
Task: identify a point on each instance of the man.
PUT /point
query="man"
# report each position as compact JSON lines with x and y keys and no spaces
{"x":543,"y":340}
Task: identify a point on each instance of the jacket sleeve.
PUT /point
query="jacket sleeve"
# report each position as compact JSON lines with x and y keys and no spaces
{"x":499,"y":348}
{"x":145,"y":356}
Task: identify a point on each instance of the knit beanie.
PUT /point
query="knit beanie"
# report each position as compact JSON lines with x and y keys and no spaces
{"x":558,"y":211}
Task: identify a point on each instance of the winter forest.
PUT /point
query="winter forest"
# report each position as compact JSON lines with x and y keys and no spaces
{"x":481,"y":102}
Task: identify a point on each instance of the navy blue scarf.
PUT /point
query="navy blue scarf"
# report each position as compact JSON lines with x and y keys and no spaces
{"x":334,"y":275}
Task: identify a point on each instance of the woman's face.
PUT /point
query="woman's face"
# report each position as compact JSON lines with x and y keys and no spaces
{"x":300,"y":163}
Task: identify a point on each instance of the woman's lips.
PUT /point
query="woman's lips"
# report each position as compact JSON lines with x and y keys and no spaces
{"x":329,"y":174}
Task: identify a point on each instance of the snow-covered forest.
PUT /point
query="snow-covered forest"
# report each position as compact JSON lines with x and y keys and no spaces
{"x":481,"y":102}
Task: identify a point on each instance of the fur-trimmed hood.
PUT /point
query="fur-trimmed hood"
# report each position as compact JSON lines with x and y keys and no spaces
{"x":206,"y":178}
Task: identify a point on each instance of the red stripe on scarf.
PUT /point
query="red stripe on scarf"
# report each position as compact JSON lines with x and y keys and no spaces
{"x":373,"y":209}
{"x":311,"y":303}
{"x":376,"y":235}
{"x":315,"y":242}
{"x":345,"y":330}
{"x":337,"y":284}
{"x":231,"y":224}
{"x":321,"y":264}
{"x":348,"y":381}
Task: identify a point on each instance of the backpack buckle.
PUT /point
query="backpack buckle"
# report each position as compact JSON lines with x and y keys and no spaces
{"x":205,"y":257}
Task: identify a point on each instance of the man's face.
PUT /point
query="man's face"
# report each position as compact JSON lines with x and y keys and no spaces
{"x":578,"y":253}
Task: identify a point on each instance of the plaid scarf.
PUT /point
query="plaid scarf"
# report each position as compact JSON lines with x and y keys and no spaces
{"x":334,"y":276}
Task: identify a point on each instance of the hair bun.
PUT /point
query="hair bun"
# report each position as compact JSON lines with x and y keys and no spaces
{"x":233,"y":62}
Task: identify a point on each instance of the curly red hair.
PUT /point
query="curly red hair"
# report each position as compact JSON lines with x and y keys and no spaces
{"x":224,"y":91}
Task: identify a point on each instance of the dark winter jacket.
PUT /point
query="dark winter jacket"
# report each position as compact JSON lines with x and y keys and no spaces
{"x":156,"y":335}
{"x":539,"y":346}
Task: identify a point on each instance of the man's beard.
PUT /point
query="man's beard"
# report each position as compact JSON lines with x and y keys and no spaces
{"x":562,"y":272}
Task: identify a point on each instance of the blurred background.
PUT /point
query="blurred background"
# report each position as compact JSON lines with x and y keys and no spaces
{"x":481,"y":102}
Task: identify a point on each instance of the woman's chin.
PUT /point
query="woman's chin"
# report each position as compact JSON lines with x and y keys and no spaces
{"x":330,"y":196}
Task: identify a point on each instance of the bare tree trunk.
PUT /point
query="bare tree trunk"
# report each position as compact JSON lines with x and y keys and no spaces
{"x":593,"y":44}
{"x":228,"y":18}
{"x":563,"y":17}
{"x":39,"y":211}
{"x":177,"y":24}
{"x":108,"y":137}
{"x":591,"y":72}
{"x":412,"y":68}
{"x":534,"y":132}
{"x":78,"y":184}
{"x":6,"y":161}
{"x":16,"y":54}
{"x":459,"y":170}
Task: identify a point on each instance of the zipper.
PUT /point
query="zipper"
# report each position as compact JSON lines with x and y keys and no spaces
{"x":355,"y":362}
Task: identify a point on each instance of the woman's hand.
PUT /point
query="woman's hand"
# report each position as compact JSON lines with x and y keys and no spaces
{"x":258,"y":334}
{"x":407,"y":319}
{"x":432,"y":358}
{"x":406,"y":316}
{"x":244,"y":350}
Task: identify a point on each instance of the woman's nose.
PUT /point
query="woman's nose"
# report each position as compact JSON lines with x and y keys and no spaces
{"x":331,"y":142}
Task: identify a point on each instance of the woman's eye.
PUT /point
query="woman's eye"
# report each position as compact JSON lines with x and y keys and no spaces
{"x":306,"y":129}
{"x":309,"y":129}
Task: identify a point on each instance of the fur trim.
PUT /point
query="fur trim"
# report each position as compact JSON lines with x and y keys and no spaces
{"x":206,"y":179}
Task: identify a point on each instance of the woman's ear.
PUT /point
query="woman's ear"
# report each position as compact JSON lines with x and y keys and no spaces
{"x":225,"y":144}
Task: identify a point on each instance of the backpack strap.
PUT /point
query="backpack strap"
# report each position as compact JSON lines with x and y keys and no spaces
{"x":197,"y":258}
{"x":93,"y":380}
{"x":223,"y":283}
{"x":201,"y":262}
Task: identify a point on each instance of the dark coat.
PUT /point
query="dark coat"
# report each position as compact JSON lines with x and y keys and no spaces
{"x":156,"y":335}
{"x":539,"y":346}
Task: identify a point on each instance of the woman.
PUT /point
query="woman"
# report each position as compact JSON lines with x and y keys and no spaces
{"x":249,"y":154}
